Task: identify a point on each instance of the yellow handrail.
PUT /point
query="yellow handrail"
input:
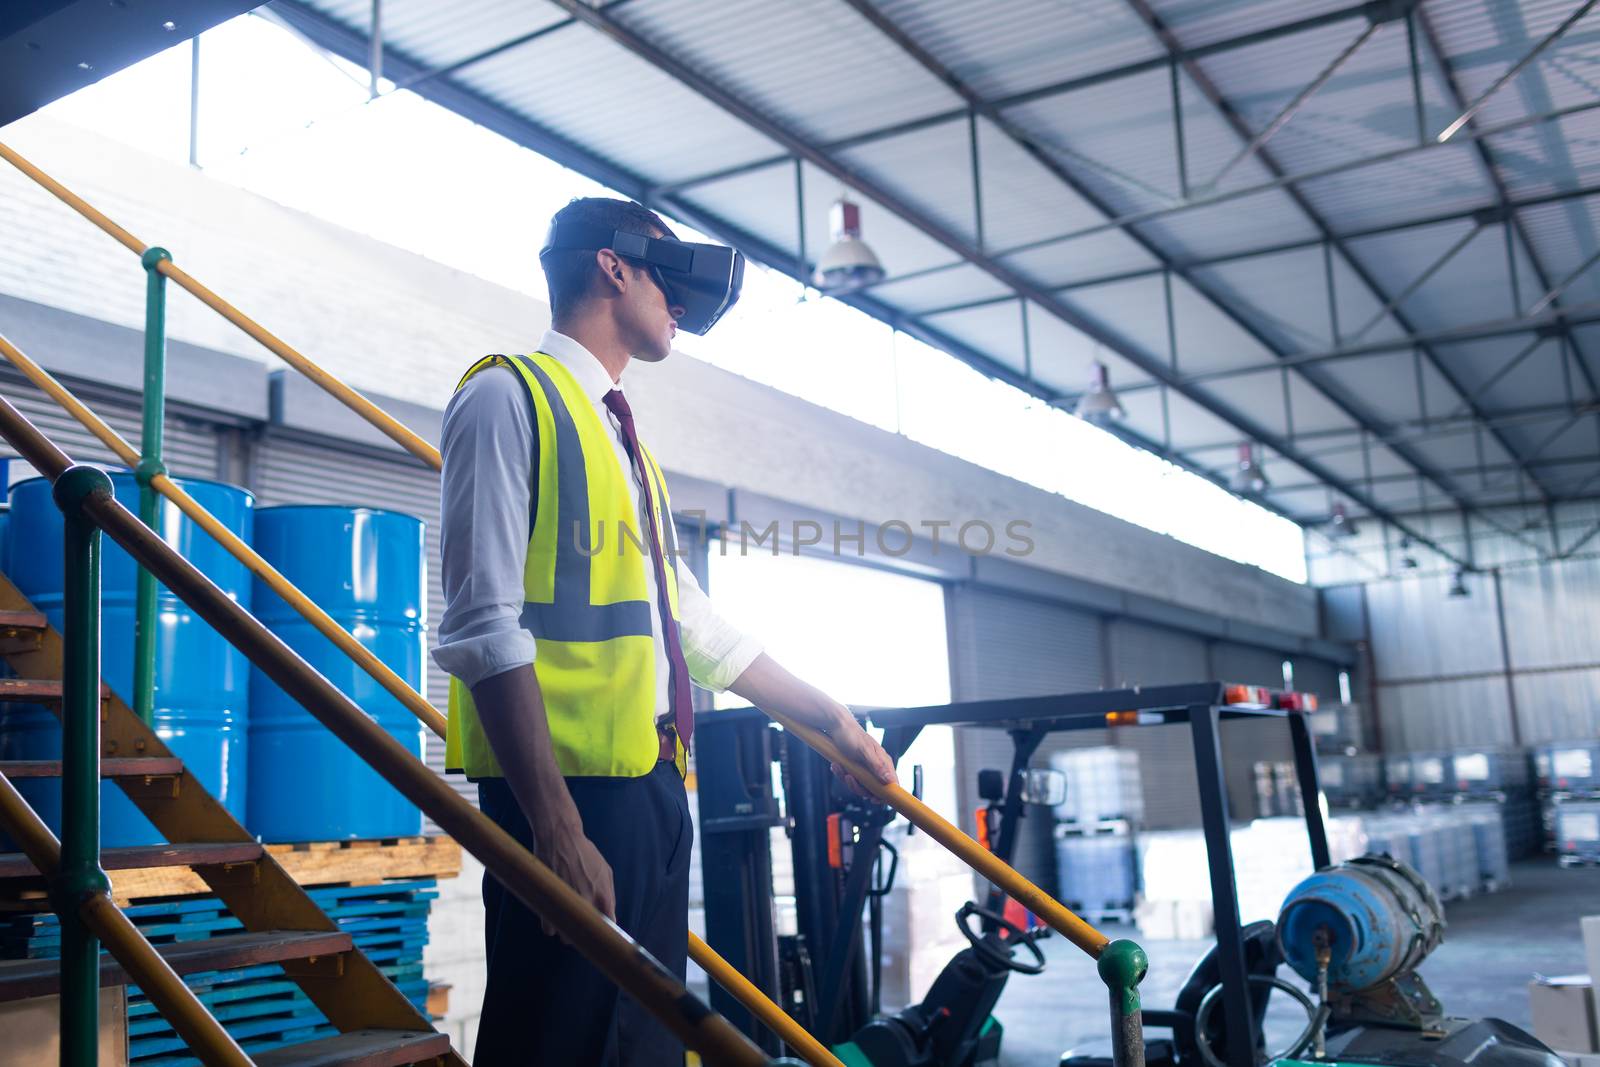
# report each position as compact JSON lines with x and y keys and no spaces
{"x":177,"y":1003}
{"x":385,"y":422}
{"x":1057,"y":915}
{"x":720,"y":969}
{"x":268,"y":574}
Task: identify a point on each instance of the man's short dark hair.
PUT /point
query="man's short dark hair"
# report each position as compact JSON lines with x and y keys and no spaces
{"x":570,"y":271}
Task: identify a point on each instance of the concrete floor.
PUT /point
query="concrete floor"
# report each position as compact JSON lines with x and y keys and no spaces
{"x":1492,"y":946}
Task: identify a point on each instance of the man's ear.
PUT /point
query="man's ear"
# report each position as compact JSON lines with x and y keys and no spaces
{"x":612,"y":273}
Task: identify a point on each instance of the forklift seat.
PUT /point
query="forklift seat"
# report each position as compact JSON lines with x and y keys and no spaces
{"x":1261,"y":957}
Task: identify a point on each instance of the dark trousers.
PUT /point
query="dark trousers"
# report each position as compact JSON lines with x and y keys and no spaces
{"x":546,"y":1005}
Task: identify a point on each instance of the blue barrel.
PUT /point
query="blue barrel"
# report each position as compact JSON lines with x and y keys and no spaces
{"x":367,"y":570}
{"x":1380,"y":917}
{"x":202,"y":683}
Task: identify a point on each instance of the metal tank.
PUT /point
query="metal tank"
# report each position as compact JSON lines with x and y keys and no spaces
{"x":365,"y":568}
{"x":201,"y":682}
{"x":1381,"y":918}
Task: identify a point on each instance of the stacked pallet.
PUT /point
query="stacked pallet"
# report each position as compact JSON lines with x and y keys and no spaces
{"x":379,"y":892}
{"x":259,"y":1006}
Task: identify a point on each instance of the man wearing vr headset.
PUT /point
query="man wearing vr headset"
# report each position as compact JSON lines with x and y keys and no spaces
{"x":572,"y":630}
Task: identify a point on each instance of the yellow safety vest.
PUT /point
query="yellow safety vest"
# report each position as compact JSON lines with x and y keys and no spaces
{"x":586,"y":601}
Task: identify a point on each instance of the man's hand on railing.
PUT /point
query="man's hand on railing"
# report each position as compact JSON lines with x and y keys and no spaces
{"x":564,"y":849}
{"x":858,"y":745}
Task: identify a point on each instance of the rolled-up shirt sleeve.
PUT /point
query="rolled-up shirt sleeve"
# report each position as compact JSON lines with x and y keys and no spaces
{"x":485,"y":495}
{"x":716,"y":651}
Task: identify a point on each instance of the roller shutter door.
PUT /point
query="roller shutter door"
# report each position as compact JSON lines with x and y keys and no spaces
{"x":304,"y":470}
{"x":192,"y":445}
{"x":1009,"y":646}
{"x":1145,"y":655}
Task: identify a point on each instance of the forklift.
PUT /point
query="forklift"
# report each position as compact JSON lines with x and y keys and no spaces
{"x":1338,"y":929}
{"x":753,"y":778}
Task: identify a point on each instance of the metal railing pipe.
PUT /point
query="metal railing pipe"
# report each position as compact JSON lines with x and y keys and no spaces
{"x":163,"y":484}
{"x":176,"y":1001}
{"x":347,"y":396}
{"x":1121,"y":963}
{"x":152,"y":431}
{"x":703,"y":955}
{"x":605,"y":944}
{"x":80,"y":876}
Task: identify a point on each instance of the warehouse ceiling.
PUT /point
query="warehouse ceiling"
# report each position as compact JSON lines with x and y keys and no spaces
{"x":1360,"y":236}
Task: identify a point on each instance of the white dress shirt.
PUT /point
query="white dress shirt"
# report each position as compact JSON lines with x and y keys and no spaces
{"x":487,"y":491}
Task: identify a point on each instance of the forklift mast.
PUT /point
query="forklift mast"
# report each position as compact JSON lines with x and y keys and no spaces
{"x":820,"y":972}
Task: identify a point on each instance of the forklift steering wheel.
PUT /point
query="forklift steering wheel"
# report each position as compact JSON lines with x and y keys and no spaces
{"x":992,"y":948}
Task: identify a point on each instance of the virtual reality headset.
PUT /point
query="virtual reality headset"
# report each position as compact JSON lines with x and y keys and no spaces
{"x":703,"y":279}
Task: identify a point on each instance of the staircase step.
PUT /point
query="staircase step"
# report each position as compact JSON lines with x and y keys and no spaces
{"x":110,"y":767}
{"x":359,"y":1048}
{"x":22,"y":620}
{"x":21,"y":979}
{"x":17,"y":865}
{"x":37,"y":690}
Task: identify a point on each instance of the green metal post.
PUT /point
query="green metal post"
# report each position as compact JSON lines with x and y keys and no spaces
{"x":80,"y":875}
{"x":1122,"y":967}
{"x":150,"y":464}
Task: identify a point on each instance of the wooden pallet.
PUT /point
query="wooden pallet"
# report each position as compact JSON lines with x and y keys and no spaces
{"x":366,"y":862}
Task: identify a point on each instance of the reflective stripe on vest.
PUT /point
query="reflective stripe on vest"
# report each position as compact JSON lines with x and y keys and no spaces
{"x":584,"y":591}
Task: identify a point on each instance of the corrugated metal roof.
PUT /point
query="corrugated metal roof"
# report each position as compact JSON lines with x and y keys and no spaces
{"x":865,"y":103}
{"x":1199,"y":22}
{"x":1561,"y":156}
{"x":440,"y":34}
{"x":1419,"y":186}
{"x":1080,"y":259}
{"x":815,"y":64}
{"x":647,"y":112}
{"x":1003,"y":47}
{"x":1483,"y":39}
{"x":1125,"y":127}
{"x":1280,"y":296}
{"x":1474,"y":283}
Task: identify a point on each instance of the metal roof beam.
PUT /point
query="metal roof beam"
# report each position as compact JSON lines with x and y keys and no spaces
{"x":867,"y":10}
{"x":1553,"y":293}
{"x":1418,"y":429}
{"x":1242,"y":128}
{"x":797,"y":146}
{"x":930,"y":63}
{"x":323,"y":32}
{"x":1463,"y":472}
{"x":1475,"y":214}
{"x":1028,"y":96}
{"x":1585,"y":314}
{"x":1515,"y":69}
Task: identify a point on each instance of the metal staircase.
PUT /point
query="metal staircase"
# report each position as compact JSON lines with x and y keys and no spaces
{"x":378,"y":1026}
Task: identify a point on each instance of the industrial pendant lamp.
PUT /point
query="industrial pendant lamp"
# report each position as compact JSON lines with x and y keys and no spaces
{"x":1341,"y":525}
{"x":849,"y":263}
{"x":1458,"y":583}
{"x":1248,"y":477}
{"x":1100,"y":404}
{"x":1408,"y":562}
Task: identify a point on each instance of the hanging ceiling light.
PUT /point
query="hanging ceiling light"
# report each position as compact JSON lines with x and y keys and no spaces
{"x":1248,"y":477}
{"x":848,"y":263}
{"x":1100,"y":403}
{"x":1458,"y":583}
{"x":1341,"y":525}
{"x":1408,"y":562}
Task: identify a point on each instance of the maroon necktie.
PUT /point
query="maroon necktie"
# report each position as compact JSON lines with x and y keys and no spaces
{"x":682,"y":708}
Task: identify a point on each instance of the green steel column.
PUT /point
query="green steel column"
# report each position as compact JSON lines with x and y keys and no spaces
{"x":150,"y":464}
{"x":1122,"y":967}
{"x":80,"y":875}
